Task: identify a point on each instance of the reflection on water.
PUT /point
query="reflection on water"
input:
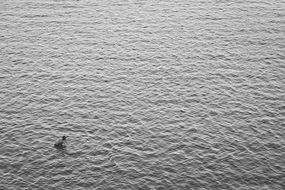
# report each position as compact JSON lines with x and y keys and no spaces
{"x":151,"y":94}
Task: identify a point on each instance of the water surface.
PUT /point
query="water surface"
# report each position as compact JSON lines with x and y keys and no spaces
{"x":152,"y":94}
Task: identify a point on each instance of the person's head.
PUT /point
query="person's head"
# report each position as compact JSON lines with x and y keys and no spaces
{"x":64,"y":137}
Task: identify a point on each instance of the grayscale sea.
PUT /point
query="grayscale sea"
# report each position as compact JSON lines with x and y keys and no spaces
{"x":152,"y":94}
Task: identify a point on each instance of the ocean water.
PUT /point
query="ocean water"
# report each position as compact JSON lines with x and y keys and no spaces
{"x":152,"y":94}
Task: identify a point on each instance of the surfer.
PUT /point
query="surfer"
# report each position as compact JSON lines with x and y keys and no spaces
{"x":61,"y":144}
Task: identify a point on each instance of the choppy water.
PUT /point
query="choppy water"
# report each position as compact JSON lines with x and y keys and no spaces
{"x":152,"y":94}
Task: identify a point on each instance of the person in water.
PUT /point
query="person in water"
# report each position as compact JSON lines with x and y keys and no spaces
{"x":61,"y":144}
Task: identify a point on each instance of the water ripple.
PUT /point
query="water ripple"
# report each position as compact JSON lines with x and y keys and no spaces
{"x":151,"y":94}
